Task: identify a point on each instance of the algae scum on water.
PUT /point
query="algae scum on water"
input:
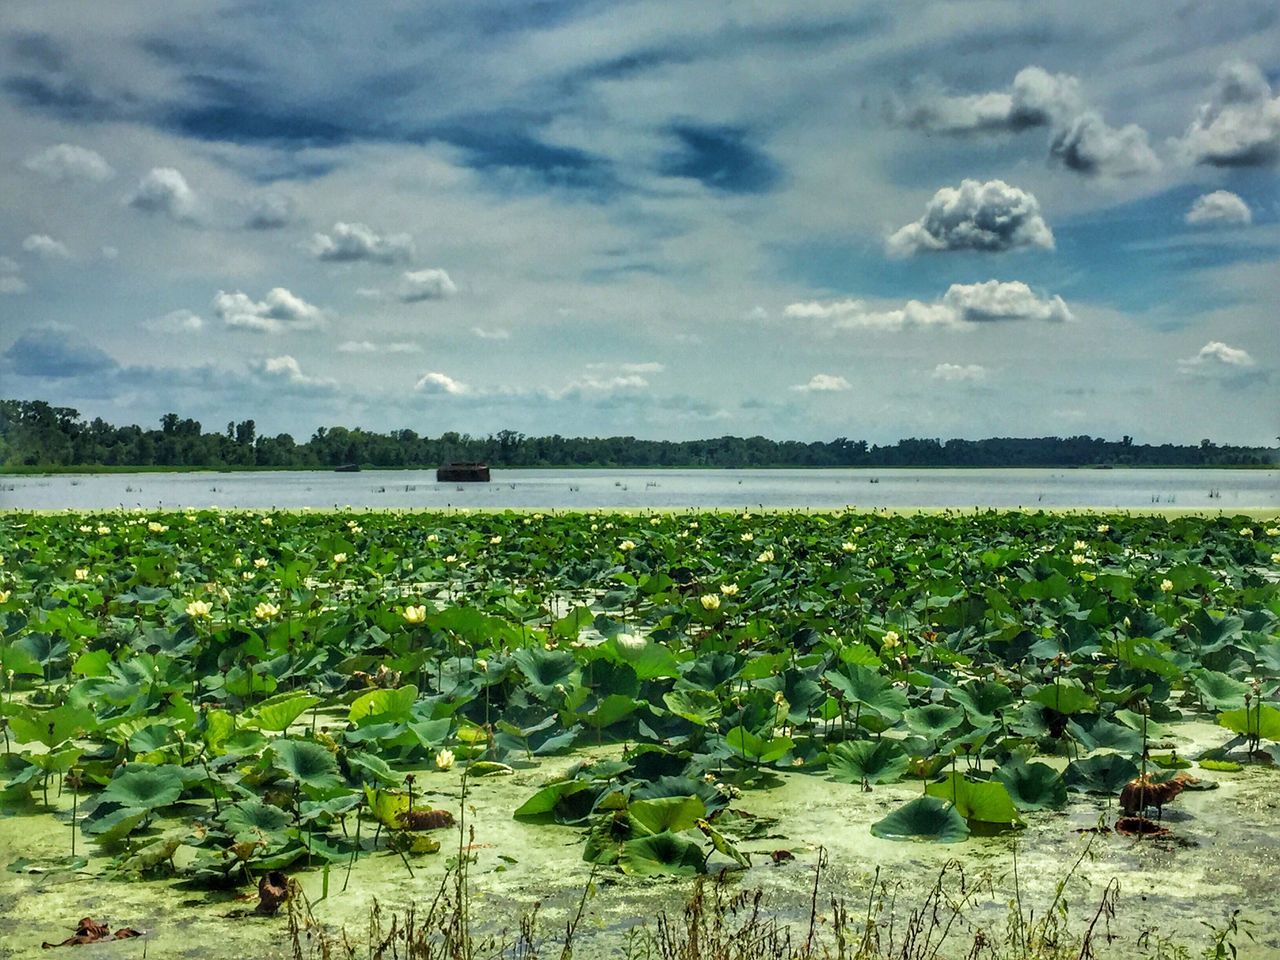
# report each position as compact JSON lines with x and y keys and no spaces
{"x":240,"y":733}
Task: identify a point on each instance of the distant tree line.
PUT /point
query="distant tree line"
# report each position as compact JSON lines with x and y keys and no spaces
{"x":34,"y":433}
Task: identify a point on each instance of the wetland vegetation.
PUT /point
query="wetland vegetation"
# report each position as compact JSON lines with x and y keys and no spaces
{"x":209,"y":705}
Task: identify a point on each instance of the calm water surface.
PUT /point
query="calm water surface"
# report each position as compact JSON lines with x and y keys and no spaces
{"x":561,"y":489}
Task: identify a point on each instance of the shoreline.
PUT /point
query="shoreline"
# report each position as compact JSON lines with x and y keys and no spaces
{"x":98,"y":470}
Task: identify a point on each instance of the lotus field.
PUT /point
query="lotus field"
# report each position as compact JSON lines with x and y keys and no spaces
{"x":230,"y":694}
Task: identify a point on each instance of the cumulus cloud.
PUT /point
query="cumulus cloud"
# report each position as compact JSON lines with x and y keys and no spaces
{"x":176,"y":321}
{"x":958,"y":372}
{"x":823,"y":383}
{"x":495,"y":333}
{"x":66,"y":162}
{"x":368,"y":346}
{"x":990,"y":217}
{"x":1082,"y":141}
{"x":1219,"y":208}
{"x":1037,"y":98}
{"x":285,"y":369}
{"x":441,"y":384}
{"x":271,"y":211}
{"x":1087,"y":144}
{"x":348,"y":242}
{"x":277,"y":312}
{"x":961,"y":306}
{"x":430,"y":284}
{"x":56,"y":354}
{"x":44,"y":246}
{"x":164,"y":190}
{"x":1216,"y":355}
{"x":1239,"y":126}
{"x":11,"y":281}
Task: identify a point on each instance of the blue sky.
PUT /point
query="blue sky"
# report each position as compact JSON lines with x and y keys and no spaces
{"x":807,"y":220}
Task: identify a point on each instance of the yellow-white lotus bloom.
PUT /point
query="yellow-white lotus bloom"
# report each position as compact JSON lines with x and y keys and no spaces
{"x":246,"y":575}
{"x":710,"y":601}
{"x":1166,"y":585}
{"x":265,"y":611}
{"x":495,"y":539}
{"x":848,"y":546}
{"x":267,"y":521}
{"x":729,"y":589}
{"x":655,"y":521}
{"x":859,"y":529}
{"x":82,"y":573}
{"x":433,"y":538}
{"x":1246,"y":531}
{"x":4,"y":596}
{"x":339,"y":558}
{"x":103,"y":530}
{"x":626,"y":545}
{"x":156,"y":527}
{"x":630,"y":643}
{"x":199,"y":609}
{"x":890,"y":639}
{"x":766,"y":556}
{"x":1080,"y":545}
{"x":260,"y":562}
{"x":1275,"y":558}
{"x":451,"y":558}
{"x":444,"y":759}
{"x":482,"y":665}
{"x":1079,"y":558}
{"x":85,"y":528}
{"x":416,"y":614}
{"x":1273,"y":531}
{"x":747,"y":537}
{"x":1104,"y":528}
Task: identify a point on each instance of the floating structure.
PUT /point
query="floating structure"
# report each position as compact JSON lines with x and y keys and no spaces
{"x":347,"y":468}
{"x":463,"y":472}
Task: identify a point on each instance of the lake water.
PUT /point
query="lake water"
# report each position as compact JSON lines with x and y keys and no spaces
{"x":658,"y":489}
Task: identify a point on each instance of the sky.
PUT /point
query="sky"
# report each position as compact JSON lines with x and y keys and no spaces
{"x":670,"y":220}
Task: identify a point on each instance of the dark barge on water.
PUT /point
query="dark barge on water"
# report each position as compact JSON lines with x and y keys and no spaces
{"x":463,"y":472}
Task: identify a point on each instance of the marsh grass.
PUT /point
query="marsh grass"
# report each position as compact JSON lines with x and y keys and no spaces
{"x":720,"y":920}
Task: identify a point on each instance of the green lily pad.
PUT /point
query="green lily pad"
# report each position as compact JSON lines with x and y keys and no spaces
{"x":924,"y":818}
{"x":870,"y":761}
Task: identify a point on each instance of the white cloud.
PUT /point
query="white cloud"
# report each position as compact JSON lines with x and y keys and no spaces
{"x":1239,"y":126}
{"x":496,"y":333}
{"x":440,"y":384}
{"x":430,"y":284}
{"x":999,"y":300}
{"x":1087,"y":144}
{"x":1036,"y":99}
{"x":176,"y":321}
{"x":1217,"y":355}
{"x":271,"y":211}
{"x":961,"y":305}
{"x":1081,"y":141}
{"x":66,"y":162}
{"x":991,"y":217}
{"x":286,"y":369}
{"x":368,"y":346}
{"x":43,"y":245}
{"x":1219,"y":208}
{"x":277,"y":312}
{"x":823,"y":383}
{"x":956,"y":372}
{"x":164,"y":190}
{"x":11,"y":281}
{"x":110,"y":253}
{"x":348,"y":242}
